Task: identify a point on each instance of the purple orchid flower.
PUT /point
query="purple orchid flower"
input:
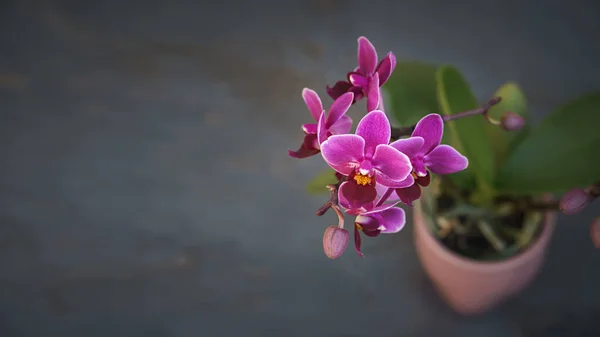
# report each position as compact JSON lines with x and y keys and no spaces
{"x":425,"y":152}
{"x":366,"y":155}
{"x":334,"y":122}
{"x":385,"y":219}
{"x":371,"y":218}
{"x":368,"y":77}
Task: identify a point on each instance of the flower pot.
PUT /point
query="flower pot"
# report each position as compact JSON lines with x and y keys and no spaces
{"x":470,"y":286}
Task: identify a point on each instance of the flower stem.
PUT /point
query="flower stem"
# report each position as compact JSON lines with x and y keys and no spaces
{"x":333,"y":198}
{"x":398,"y":132}
{"x":340,"y":215}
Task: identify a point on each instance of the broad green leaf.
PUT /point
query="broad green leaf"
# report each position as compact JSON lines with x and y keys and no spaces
{"x":561,"y":153}
{"x":318,"y":184}
{"x":410,"y":92}
{"x":455,"y":96}
{"x":513,"y":99}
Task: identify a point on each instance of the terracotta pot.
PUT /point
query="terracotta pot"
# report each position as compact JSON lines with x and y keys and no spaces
{"x":471,"y":286}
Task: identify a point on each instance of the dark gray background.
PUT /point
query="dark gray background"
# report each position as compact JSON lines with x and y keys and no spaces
{"x":146,"y":189}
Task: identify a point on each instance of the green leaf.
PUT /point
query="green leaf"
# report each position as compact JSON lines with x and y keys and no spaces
{"x":454,"y":96}
{"x":410,"y":92}
{"x":561,"y":153}
{"x":513,"y":99}
{"x":318,"y":184}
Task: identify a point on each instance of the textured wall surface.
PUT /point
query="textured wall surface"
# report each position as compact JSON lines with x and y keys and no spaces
{"x":145,"y":188}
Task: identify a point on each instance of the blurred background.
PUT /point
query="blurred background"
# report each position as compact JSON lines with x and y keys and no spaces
{"x":145,"y":187}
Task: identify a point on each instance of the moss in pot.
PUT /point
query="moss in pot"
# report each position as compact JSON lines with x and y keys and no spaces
{"x":481,"y":178}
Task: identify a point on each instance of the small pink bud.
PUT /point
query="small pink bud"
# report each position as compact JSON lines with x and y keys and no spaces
{"x":595,"y":232}
{"x":512,"y":121}
{"x":335,"y":241}
{"x":574,"y":201}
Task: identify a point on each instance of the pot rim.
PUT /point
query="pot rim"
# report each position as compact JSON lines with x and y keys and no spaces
{"x":510,"y":263}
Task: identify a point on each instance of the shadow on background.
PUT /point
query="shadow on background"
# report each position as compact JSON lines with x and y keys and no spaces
{"x":146,"y":191}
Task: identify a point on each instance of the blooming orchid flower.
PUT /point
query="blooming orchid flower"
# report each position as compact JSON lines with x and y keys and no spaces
{"x":385,"y":219}
{"x":371,"y":218}
{"x":368,"y":77}
{"x":366,"y":156}
{"x":334,"y":122}
{"x":425,"y":152}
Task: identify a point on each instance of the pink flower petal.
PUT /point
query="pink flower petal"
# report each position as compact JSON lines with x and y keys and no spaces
{"x":409,"y":194}
{"x":310,"y":128}
{"x":313,"y":102}
{"x":386,"y":67}
{"x":358,"y":80}
{"x":392,"y":220}
{"x":357,"y":241}
{"x":338,"y":89}
{"x":391,"y":163}
{"x":431,"y":129}
{"x":380,"y":208}
{"x":339,"y":107}
{"x":373,"y":93}
{"x":409,"y":146}
{"x":374,"y":127}
{"x":444,"y":159}
{"x":321,"y":129}
{"x":354,"y":196}
{"x":382,"y":189}
{"x":343,"y":152}
{"x":367,"y":56}
{"x":342,"y":126}
{"x":308,"y":148}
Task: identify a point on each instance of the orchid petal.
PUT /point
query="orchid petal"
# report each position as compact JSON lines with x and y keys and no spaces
{"x":339,"y":107}
{"x":342,"y":126}
{"x":386,"y":67}
{"x":374,"y":127}
{"x":444,"y":159}
{"x":358,"y":93}
{"x":313,"y":102}
{"x":409,"y":146}
{"x":380,"y":208}
{"x":343,"y":152}
{"x":357,"y":240}
{"x":358,"y":80}
{"x":409,"y":194}
{"x":431,"y":128}
{"x":368,"y":223}
{"x":381,"y":191}
{"x":373,"y":93}
{"x":424,"y":181}
{"x":388,"y":182}
{"x":308,"y":148}
{"x":392,"y":220}
{"x":367,"y":56}
{"x":321,"y":129}
{"x":391,"y":163}
{"x":302,"y":152}
{"x":372,"y":233}
{"x":352,"y":195}
{"x":310,"y":128}
{"x":338,"y":89}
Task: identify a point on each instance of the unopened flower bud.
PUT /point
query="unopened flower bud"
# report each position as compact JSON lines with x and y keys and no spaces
{"x":595,"y":232}
{"x":574,"y":201}
{"x":335,"y":241}
{"x":512,"y":122}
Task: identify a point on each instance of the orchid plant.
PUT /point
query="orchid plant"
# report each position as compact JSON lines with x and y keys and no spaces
{"x":482,"y":173}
